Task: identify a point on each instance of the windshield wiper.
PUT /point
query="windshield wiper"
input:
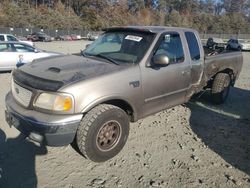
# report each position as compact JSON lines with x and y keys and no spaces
{"x":107,"y":58}
{"x":101,"y":56}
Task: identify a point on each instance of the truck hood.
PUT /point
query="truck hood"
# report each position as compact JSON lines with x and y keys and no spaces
{"x":54,"y":72}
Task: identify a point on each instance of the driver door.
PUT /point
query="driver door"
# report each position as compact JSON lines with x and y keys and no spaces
{"x":166,"y":86}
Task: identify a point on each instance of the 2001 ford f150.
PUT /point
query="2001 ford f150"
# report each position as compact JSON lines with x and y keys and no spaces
{"x":128,"y":73}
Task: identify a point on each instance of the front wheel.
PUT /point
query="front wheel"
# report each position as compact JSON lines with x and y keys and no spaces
{"x":102,"y":133}
{"x":220,"y":88}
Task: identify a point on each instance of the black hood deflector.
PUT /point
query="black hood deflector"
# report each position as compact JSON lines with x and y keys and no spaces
{"x":50,"y":74}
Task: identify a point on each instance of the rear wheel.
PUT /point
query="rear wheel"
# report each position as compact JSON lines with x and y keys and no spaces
{"x":102,"y":132}
{"x":220,"y":88}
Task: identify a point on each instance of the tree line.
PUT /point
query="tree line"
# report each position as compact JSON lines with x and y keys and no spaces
{"x":207,"y":16}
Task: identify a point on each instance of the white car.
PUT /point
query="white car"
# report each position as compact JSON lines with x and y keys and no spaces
{"x":93,"y":35}
{"x":9,"y":37}
{"x":15,"y":54}
{"x":245,"y":44}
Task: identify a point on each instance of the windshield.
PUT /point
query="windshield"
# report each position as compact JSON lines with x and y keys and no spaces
{"x":121,"y":47}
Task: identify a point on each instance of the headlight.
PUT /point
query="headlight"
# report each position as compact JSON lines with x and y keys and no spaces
{"x":55,"y":102}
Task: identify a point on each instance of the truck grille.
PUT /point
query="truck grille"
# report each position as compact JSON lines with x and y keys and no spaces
{"x":20,"y":94}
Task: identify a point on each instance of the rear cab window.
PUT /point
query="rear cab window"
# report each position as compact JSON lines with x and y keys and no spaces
{"x":171,"y":46}
{"x":193,"y":46}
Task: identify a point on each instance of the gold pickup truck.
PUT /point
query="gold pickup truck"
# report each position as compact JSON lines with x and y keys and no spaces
{"x":128,"y":73}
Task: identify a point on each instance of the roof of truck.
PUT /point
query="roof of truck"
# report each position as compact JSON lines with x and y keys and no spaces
{"x":151,"y":29}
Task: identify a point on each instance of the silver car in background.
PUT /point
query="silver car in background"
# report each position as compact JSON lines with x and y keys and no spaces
{"x":10,"y":37}
{"x":238,"y":44}
{"x":16,"y":54}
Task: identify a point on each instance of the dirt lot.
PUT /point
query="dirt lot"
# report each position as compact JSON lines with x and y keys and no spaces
{"x":194,"y":145}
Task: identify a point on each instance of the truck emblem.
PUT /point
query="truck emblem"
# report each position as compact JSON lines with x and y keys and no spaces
{"x":134,"y":84}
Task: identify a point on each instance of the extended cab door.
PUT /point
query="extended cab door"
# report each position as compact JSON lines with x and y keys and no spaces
{"x":166,"y":86}
{"x":196,"y":55}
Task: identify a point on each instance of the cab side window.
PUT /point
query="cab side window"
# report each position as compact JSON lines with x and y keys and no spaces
{"x":171,"y":46}
{"x":193,"y":46}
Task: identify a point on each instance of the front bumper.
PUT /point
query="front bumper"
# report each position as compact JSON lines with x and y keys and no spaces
{"x":48,"y":129}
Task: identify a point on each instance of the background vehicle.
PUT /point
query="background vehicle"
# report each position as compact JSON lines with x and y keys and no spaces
{"x":128,"y":73}
{"x":66,"y":37}
{"x":216,"y":43}
{"x":93,"y":36}
{"x":75,"y":37}
{"x":15,"y":54}
{"x":39,"y":36}
{"x":9,"y":37}
{"x":238,"y":44}
{"x":245,"y":44}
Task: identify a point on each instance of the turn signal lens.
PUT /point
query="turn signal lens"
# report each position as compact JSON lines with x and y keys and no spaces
{"x":62,"y":103}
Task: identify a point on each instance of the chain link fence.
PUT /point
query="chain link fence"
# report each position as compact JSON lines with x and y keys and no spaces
{"x":23,"y":32}
{"x":225,"y":36}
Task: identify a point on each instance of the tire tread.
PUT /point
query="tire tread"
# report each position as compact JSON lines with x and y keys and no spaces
{"x":218,"y":87}
{"x":86,"y":123}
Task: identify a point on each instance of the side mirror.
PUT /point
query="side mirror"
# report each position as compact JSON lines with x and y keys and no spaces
{"x":161,"y":59}
{"x":36,"y":50}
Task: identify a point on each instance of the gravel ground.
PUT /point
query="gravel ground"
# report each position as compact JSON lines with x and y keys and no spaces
{"x":193,"y":145}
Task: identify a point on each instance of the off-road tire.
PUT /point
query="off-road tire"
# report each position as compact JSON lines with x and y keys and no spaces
{"x":90,"y":132}
{"x":220,"y":88}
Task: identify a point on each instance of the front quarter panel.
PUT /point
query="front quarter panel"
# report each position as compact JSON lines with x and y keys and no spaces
{"x":124,"y":85}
